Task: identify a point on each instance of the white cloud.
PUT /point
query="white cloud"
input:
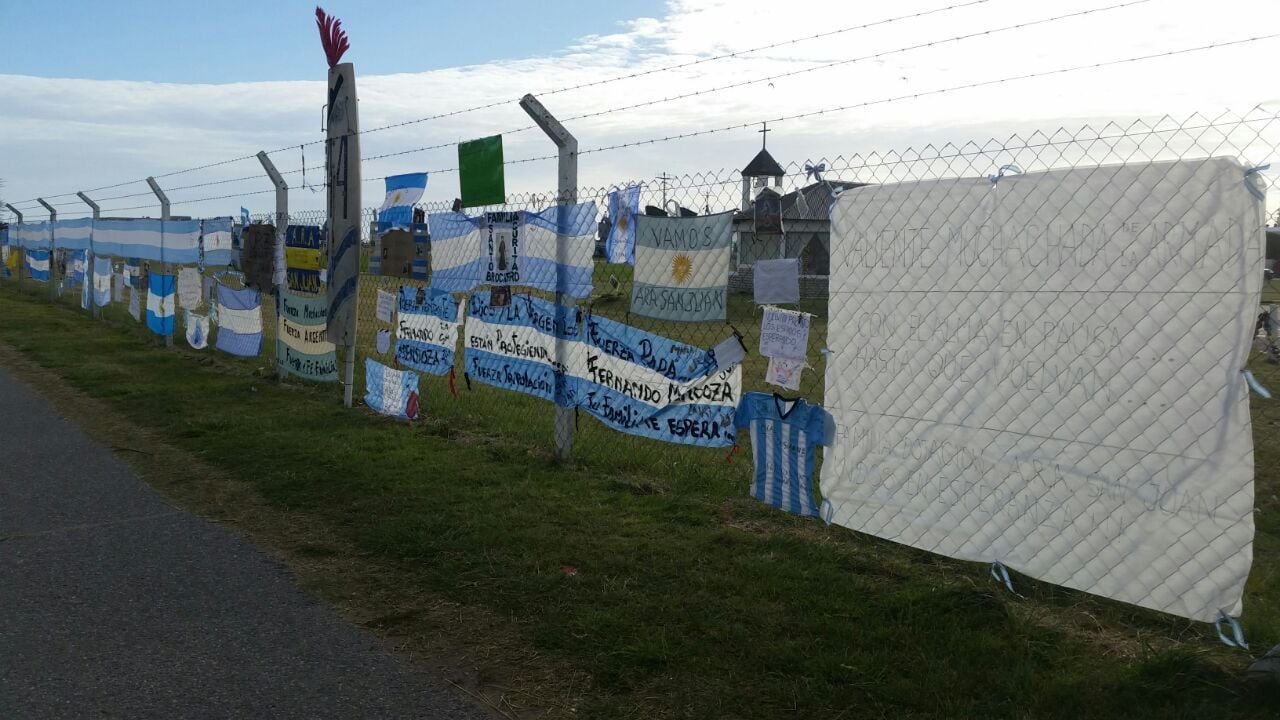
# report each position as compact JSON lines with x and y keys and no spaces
{"x":63,"y":134}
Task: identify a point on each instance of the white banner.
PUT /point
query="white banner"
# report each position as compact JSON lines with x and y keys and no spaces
{"x":1047,"y":373}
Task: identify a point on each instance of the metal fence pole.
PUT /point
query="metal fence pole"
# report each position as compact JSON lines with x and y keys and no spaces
{"x":88,"y":269}
{"x":282,"y":228}
{"x":566,"y":195}
{"x":164,"y":216}
{"x":23,"y":261}
{"x":53,"y":218}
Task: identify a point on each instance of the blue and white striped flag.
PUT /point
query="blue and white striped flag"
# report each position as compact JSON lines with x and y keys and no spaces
{"x":73,"y":234}
{"x":167,"y":241}
{"x":239,"y":321}
{"x":514,"y":249}
{"x":38,"y":265}
{"x":390,"y":392}
{"x":682,"y":267}
{"x":216,"y":243}
{"x":402,"y":192}
{"x":101,"y":281}
{"x":33,"y":236}
{"x":624,"y":205}
{"x":76,"y":262}
{"x":133,"y":272}
{"x":160,"y":304}
{"x":244,"y":216}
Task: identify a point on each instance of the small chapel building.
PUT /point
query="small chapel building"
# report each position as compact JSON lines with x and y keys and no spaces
{"x":806,"y":227}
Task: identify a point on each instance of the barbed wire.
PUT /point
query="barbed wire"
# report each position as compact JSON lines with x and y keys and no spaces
{"x":823,"y":111}
{"x":770,"y":78}
{"x":649,"y":103}
{"x":667,"y":68}
{"x":555,"y":91}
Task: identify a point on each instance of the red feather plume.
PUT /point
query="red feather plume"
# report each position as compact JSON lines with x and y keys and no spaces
{"x":332,"y":36}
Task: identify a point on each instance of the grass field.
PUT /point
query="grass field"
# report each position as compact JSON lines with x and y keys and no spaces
{"x":453,"y":537}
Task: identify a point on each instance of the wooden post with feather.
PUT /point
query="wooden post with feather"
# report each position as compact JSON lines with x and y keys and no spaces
{"x":342,"y":167}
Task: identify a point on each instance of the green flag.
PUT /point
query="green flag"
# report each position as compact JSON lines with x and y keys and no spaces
{"x":480,"y":172}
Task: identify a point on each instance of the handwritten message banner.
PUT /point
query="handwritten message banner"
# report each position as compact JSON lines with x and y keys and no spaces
{"x":427,"y":329}
{"x":1046,"y":373}
{"x":515,"y":347}
{"x":302,"y":343}
{"x":644,"y":384}
{"x":302,"y":245}
{"x":682,"y":267}
{"x":784,"y":334}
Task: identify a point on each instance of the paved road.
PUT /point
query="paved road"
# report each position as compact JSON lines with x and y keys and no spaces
{"x":115,"y":604}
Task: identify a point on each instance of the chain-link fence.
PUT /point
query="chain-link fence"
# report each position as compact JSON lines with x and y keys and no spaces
{"x":915,"y":328}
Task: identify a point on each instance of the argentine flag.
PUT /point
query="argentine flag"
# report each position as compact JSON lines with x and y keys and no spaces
{"x":160,"y":304}
{"x":514,"y":249}
{"x":402,"y":192}
{"x":73,"y":234}
{"x":624,"y":205}
{"x":76,"y":261}
{"x":390,"y":392}
{"x":239,"y":321}
{"x":102,"y":281}
{"x":216,"y":244}
{"x":38,"y":265}
{"x":682,"y":267}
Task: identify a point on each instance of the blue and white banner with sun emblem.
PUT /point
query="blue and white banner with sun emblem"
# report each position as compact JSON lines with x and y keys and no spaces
{"x":402,"y":192}
{"x":682,"y":267}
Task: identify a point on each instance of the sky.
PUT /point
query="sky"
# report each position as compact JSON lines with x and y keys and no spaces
{"x":120,"y":92}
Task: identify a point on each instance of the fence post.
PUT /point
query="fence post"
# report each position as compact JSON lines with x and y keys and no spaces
{"x":566,"y":195}
{"x":88,"y":268}
{"x":53,"y":241}
{"x":282,"y":228}
{"x":164,"y":267}
{"x":18,"y":214}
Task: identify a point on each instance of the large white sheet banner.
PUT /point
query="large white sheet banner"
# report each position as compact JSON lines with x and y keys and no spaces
{"x":1046,"y":372}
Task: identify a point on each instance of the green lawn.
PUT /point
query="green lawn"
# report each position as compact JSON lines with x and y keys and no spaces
{"x":690,"y":600}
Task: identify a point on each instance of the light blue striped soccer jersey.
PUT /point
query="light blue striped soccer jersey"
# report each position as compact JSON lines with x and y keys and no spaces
{"x":784,"y":433}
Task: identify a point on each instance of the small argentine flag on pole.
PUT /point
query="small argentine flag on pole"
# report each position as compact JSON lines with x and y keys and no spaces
{"x":402,"y":192}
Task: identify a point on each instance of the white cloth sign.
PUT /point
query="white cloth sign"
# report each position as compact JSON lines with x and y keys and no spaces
{"x":784,"y":333}
{"x":197,"y":331}
{"x":117,"y":287}
{"x":386,"y":306}
{"x":1046,"y":373}
{"x":784,"y":372}
{"x":776,"y":281}
{"x":189,"y":289}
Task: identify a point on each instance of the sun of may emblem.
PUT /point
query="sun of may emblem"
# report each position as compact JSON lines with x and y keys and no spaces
{"x":681,"y":268}
{"x":395,"y":199}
